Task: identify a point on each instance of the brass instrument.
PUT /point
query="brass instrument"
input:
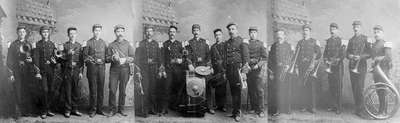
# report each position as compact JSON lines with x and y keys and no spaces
{"x":292,"y":66}
{"x":355,"y":69}
{"x":329,"y":69}
{"x":26,"y":50}
{"x":315,"y":70}
{"x":243,"y":79}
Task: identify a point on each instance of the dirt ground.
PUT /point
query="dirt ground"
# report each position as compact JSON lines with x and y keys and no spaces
{"x":220,"y":117}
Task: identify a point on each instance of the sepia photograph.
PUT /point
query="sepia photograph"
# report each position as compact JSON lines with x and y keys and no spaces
{"x":199,"y":61}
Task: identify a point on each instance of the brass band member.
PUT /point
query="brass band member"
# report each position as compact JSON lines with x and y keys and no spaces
{"x":309,"y":54}
{"x":95,"y":59}
{"x":333,"y":57}
{"x":46,"y":61}
{"x":279,"y":62}
{"x":357,"y":52}
{"x":258,"y":57}
{"x":237,"y":58}
{"x":18,"y":64}
{"x":121,"y":53}
{"x":381,"y":51}
{"x":199,"y":55}
{"x":148,"y":58}
{"x":73,"y":71}
{"x":218,"y":60}
{"x":173,"y":62}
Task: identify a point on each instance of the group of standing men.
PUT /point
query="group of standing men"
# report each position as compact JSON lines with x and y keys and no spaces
{"x":227,"y":58}
{"x":35,"y":69}
{"x":299,"y":68}
{"x":153,"y":63}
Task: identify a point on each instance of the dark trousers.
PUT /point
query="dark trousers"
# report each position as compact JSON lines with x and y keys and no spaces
{"x":335,"y":80}
{"x":232,"y":74}
{"x":47,"y":90}
{"x":219,"y":93}
{"x":95,"y":75}
{"x":71,"y":86}
{"x":256,"y":90}
{"x":382,"y":93}
{"x":174,"y":82}
{"x":149,"y":81}
{"x":279,"y":93}
{"x":119,"y":77}
{"x":307,"y":88}
{"x":17,"y":90}
{"x":357,"y":84}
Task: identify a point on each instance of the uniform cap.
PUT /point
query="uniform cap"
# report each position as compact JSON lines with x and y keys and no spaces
{"x":253,"y":28}
{"x":230,"y":24}
{"x":195,"y":26}
{"x":333,"y":25}
{"x":356,"y":22}
{"x":378,"y":27}
{"x":119,"y":26}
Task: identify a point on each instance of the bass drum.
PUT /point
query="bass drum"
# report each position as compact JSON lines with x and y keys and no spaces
{"x":372,"y":104}
{"x":194,"y":104}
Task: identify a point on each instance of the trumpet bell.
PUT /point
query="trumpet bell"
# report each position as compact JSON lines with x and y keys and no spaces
{"x":328,"y":70}
{"x":355,"y":70}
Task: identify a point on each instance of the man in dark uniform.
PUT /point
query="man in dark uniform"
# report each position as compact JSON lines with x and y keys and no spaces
{"x":381,"y":51}
{"x":172,"y":60}
{"x":237,"y":62}
{"x":218,"y":57}
{"x":358,"y":53}
{"x":258,"y":57}
{"x":333,"y":57}
{"x":95,"y":59}
{"x":309,"y":54}
{"x":121,"y":54}
{"x":17,"y":63}
{"x":72,"y":70}
{"x":199,"y":52}
{"x":46,"y":61}
{"x":278,"y":64}
{"x":148,"y":58}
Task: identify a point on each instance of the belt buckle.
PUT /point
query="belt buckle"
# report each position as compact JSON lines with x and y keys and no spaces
{"x":199,"y":59}
{"x":150,"y":60}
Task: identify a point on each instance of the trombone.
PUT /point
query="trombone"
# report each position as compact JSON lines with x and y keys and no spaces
{"x":291,"y":68}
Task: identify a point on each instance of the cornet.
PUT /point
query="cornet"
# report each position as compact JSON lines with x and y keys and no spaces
{"x":355,"y":69}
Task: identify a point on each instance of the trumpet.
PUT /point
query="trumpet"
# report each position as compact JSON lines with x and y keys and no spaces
{"x":355,"y":69}
{"x":315,"y":71}
{"x":329,"y":70}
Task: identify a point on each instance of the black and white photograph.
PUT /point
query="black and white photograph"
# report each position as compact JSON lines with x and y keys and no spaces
{"x":199,"y":61}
